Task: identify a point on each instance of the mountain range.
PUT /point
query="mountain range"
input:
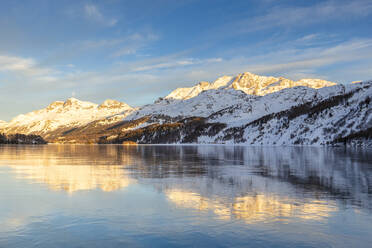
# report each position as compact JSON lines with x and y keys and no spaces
{"x":244,"y":109}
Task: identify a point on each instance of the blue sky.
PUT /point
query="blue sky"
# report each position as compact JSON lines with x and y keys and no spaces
{"x":136,"y":51}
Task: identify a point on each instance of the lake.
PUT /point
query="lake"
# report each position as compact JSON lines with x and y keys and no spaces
{"x":182,"y":196}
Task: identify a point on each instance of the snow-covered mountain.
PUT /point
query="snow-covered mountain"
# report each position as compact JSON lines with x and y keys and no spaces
{"x":247,"y":109}
{"x":3,"y":124}
{"x":206,"y":98}
{"x":292,"y":116}
{"x":64,"y":115}
{"x":301,"y":116}
{"x":249,"y":83}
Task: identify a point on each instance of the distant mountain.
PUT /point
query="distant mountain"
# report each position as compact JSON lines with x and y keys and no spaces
{"x":246,"y":109}
{"x":60,"y":116}
{"x":3,"y":123}
{"x":249,"y":83}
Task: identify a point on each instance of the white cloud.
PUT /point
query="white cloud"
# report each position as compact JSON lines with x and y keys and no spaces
{"x":24,"y":66}
{"x":132,"y":49}
{"x":93,"y":13}
{"x":8,"y":63}
{"x":133,"y":43}
{"x":94,"y":44}
{"x":176,"y":63}
{"x":308,"y":37}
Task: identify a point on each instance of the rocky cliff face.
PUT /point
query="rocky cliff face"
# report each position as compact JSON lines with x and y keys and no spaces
{"x":247,"y":109}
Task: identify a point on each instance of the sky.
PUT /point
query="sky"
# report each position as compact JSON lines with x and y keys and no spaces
{"x":137,"y":51}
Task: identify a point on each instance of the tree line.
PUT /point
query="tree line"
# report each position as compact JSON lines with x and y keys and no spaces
{"x":21,"y":139}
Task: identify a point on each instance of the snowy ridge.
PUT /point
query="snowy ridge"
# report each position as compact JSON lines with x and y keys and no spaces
{"x":285,"y":99}
{"x":249,"y":83}
{"x":3,"y":123}
{"x":244,"y":107}
{"x":70,"y":113}
{"x":204,"y":104}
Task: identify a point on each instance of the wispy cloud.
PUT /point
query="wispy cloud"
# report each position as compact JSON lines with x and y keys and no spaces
{"x":95,"y":44}
{"x":281,"y":16}
{"x":135,"y":42}
{"x":291,"y":62}
{"x":8,"y":63}
{"x":285,"y":60}
{"x":176,"y":63}
{"x":295,"y":16}
{"x":154,"y":77}
{"x":93,"y":13}
{"x":111,"y":49}
{"x":27,"y":67}
{"x":309,"y":37}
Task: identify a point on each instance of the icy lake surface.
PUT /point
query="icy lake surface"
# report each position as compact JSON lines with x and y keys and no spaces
{"x":182,"y":196}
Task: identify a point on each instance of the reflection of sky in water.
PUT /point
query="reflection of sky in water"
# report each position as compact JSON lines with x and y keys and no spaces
{"x":173,"y":195}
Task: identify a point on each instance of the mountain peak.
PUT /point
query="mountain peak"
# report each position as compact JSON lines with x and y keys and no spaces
{"x":249,"y":83}
{"x":3,"y":123}
{"x":68,"y":114}
{"x":54,"y":105}
{"x":203,"y":84}
{"x":110,"y":104}
{"x":73,"y":102}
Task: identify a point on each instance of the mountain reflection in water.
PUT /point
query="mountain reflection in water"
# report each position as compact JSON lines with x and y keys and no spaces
{"x":254,"y":208}
{"x":248,"y":184}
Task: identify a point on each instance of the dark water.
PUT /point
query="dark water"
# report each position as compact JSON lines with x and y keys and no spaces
{"x":201,"y":196}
